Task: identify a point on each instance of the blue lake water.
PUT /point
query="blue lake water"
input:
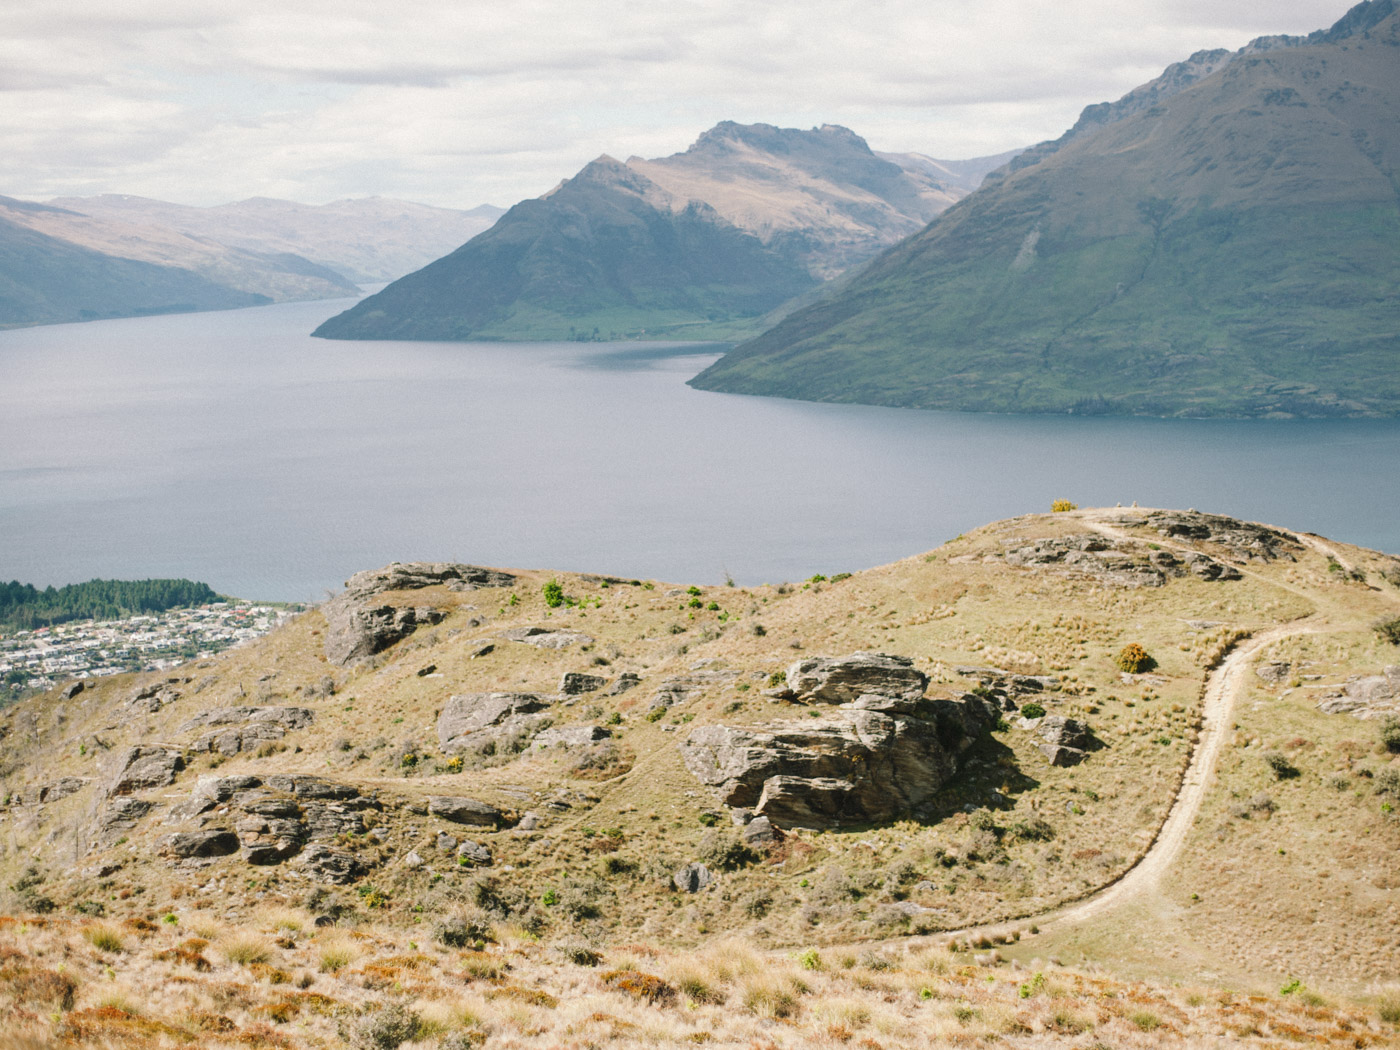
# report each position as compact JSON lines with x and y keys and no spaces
{"x":232,"y":448}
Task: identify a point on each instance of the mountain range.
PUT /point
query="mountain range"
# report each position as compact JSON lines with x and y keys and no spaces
{"x":693,"y":245}
{"x":84,"y":258}
{"x":1224,"y":241}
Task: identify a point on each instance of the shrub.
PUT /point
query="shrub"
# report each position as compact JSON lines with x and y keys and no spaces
{"x":385,"y":1029}
{"x":1059,"y":506}
{"x":104,"y":938}
{"x":1389,"y":630}
{"x":245,"y":949}
{"x":810,"y":960}
{"x":1388,"y":781}
{"x":1282,"y":768}
{"x":458,"y":931}
{"x":639,"y":985}
{"x":1146,"y":1020}
{"x":1032,"y":710}
{"x":1390,"y":735}
{"x":553,"y":594}
{"x":580,"y":954}
{"x":1134,"y":659}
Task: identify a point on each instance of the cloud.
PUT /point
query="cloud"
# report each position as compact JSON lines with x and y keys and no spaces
{"x":457,"y":102}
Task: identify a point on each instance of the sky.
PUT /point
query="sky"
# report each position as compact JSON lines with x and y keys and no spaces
{"x":463,"y":102}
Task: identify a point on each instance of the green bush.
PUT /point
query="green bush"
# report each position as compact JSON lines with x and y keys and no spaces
{"x":1278,"y":762}
{"x":1033,"y":710}
{"x":1390,"y":734}
{"x":553,"y":594}
{"x":1389,"y":630}
{"x":1059,"y":506}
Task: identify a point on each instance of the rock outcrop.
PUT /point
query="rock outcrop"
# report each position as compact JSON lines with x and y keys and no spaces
{"x":1006,"y":687}
{"x":142,"y":767}
{"x":869,"y":760}
{"x":847,"y":680}
{"x":1243,"y":539}
{"x":1063,"y":741}
{"x":679,"y":689}
{"x":1372,"y":696}
{"x":239,"y":729}
{"x":571,"y":736}
{"x":1116,"y":563}
{"x":357,"y":625}
{"x":491,"y":721}
{"x":546,"y":638}
{"x":462,"y":810}
{"x":576,"y":683}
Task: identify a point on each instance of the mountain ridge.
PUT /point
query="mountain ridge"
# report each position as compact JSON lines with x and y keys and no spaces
{"x":1226,"y":252}
{"x":767,"y":214}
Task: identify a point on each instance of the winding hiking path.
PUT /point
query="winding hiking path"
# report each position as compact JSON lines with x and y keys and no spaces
{"x":1222,"y":690}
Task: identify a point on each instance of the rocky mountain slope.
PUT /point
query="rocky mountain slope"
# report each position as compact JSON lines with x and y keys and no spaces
{"x":688,"y":246}
{"x":47,"y":279}
{"x":364,"y":240}
{"x":1222,"y":241}
{"x":983,"y":734}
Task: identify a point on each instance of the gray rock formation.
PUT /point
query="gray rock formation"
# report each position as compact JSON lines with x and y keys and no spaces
{"x":1372,"y":696}
{"x":692,"y":878}
{"x":474,"y":721}
{"x":475,"y":853}
{"x":845,"y":680}
{"x":1115,"y":563}
{"x":325,"y":864}
{"x":56,"y":789}
{"x":759,"y":832}
{"x":209,"y":842}
{"x":246,"y":728}
{"x":358,"y":625}
{"x":1063,"y":741}
{"x":679,"y":689}
{"x":1243,"y":539}
{"x":1273,"y":671}
{"x":355,"y":630}
{"x":546,"y":638}
{"x":142,"y":767}
{"x":462,"y":810}
{"x":71,"y":690}
{"x":625,"y":681}
{"x":575,"y":683}
{"x":118,"y":817}
{"x":1005,"y":687}
{"x":571,"y":736}
{"x":851,"y":766}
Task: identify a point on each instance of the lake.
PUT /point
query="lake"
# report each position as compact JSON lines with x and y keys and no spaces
{"x":232,"y":448}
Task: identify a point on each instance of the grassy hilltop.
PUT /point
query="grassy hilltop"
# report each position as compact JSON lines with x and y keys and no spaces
{"x":175,"y":842}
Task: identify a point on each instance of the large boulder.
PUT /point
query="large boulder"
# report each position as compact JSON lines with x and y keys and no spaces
{"x":208,"y":842}
{"x":575,"y":683}
{"x":357,"y":629}
{"x":1371,"y":696}
{"x":462,"y":810}
{"x":852,"y":766}
{"x":546,"y":638}
{"x":846,"y":679}
{"x":1064,"y":741}
{"x":413,"y":576}
{"x":142,"y":767}
{"x":473,"y":720}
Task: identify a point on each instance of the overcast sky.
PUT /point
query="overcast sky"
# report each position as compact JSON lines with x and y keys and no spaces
{"x":461,"y":102}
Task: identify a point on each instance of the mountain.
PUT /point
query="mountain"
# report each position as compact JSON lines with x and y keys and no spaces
{"x":48,"y":280}
{"x":271,"y":276}
{"x":689,"y":245}
{"x":463,"y":803}
{"x":1222,"y":242}
{"x":364,"y":240}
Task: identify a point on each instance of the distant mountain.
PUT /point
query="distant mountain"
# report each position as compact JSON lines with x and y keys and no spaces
{"x":45,"y":280}
{"x":693,"y":245}
{"x":1223,"y":241}
{"x":366,"y":240}
{"x":271,"y":276}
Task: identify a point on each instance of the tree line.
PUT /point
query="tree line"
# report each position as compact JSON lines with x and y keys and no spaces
{"x":24,"y":607}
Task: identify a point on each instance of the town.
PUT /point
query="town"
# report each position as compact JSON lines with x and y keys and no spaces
{"x":39,"y":659}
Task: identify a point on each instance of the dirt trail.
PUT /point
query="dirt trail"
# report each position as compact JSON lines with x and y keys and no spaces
{"x":1222,"y":690}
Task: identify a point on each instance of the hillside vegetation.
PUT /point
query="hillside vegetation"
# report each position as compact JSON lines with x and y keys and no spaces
{"x":1220,"y":243}
{"x":699,"y":245}
{"x":530,"y":754}
{"x":24,"y":606}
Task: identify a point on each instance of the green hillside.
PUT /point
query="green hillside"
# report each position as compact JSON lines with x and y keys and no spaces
{"x":44,"y":280}
{"x":1231,"y":250}
{"x":595,"y":254}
